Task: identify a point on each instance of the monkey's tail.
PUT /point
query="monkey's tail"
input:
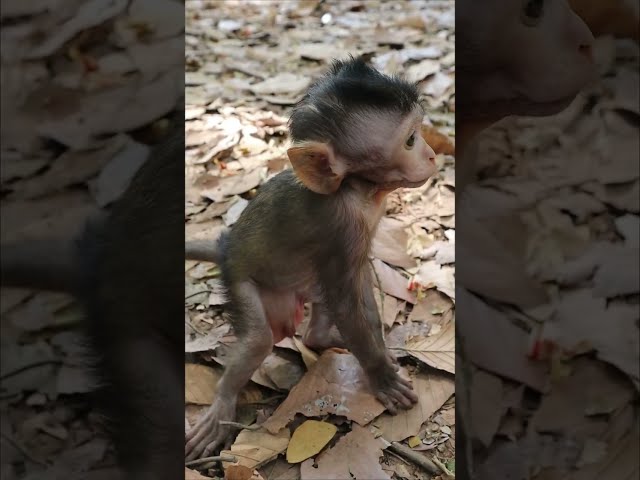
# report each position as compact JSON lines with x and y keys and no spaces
{"x":204,"y":251}
{"x":45,"y":264}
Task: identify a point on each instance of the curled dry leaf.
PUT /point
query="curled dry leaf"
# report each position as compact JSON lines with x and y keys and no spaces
{"x":309,"y":439}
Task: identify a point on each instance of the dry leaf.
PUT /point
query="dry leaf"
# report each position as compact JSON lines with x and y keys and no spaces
{"x":356,"y":455}
{"x":392,"y":282}
{"x":437,"y":350}
{"x":489,"y":328}
{"x":234,"y":185}
{"x":441,"y":277}
{"x":201,"y":383}
{"x":255,"y":448}
{"x":193,"y":475}
{"x":390,"y":243}
{"x":433,"y":390}
{"x":240,"y":472}
{"x":309,"y":439}
{"x":335,"y":384}
{"x":486,"y":406}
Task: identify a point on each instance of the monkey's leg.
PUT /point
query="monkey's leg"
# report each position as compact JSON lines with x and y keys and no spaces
{"x":255,"y":342}
{"x":360,"y":326}
{"x":141,"y":395}
{"x":322,"y":332}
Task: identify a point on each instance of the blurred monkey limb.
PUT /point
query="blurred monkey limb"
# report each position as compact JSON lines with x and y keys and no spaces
{"x":306,"y":236}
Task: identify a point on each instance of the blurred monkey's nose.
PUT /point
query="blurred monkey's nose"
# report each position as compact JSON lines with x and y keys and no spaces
{"x":582,"y":36}
{"x":586,"y":50}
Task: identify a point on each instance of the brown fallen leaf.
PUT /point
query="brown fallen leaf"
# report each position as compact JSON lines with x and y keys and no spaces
{"x":255,"y":448}
{"x":193,"y":475}
{"x":491,"y":327}
{"x":392,"y":282}
{"x":309,"y":439}
{"x":437,"y":350}
{"x":200,"y":385}
{"x":335,"y":384}
{"x":241,"y":472}
{"x":565,"y":408}
{"x":356,"y":455}
{"x":234,"y":185}
{"x":390,"y":243}
{"x":486,"y":401}
{"x":433,"y":389}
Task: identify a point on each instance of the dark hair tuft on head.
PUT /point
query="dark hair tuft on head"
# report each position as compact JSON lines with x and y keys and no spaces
{"x":350,"y":85}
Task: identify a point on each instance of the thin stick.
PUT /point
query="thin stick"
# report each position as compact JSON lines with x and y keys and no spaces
{"x":412,"y":456}
{"x":444,"y":468}
{"x":217,"y":458}
{"x":240,"y":425}
{"x":4,"y":376}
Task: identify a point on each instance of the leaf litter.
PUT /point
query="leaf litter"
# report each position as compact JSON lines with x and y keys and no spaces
{"x":569,"y":185}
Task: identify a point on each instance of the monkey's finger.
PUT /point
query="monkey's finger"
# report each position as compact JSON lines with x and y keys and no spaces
{"x":408,"y":392}
{"x":195,"y":446}
{"x":400,"y":398}
{"x":388,"y":403}
{"x":211,"y":448}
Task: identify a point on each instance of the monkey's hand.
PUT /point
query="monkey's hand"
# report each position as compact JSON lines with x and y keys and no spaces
{"x":208,"y":435}
{"x":390,"y":388}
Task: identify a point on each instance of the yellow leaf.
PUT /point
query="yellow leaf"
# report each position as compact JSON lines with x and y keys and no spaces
{"x":308,"y":439}
{"x":414,"y":442}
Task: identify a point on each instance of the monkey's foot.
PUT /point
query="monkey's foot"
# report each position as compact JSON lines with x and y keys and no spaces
{"x":208,"y":435}
{"x":391,"y":389}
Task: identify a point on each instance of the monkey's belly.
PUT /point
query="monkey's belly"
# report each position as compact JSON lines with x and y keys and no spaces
{"x":284,"y":312}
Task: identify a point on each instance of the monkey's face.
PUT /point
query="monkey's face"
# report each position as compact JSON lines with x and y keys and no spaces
{"x":409,"y":161}
{"x":524,"y":57}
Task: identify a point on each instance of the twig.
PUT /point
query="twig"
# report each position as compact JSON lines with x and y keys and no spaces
{"x":217,"y":458}
{"x":197,"y":330}
{"x":197,"y":293}
{"x":240,"y":425}
{"x":412,"y":456}
{"x":444,"y":468}
{"x":23,"y":368}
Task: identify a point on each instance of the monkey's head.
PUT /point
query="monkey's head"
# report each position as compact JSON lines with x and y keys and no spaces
{"x":519,"y":57}
{"x":356,"y":121}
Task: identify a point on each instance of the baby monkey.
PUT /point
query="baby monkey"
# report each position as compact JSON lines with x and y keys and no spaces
{"x":306,"y":236}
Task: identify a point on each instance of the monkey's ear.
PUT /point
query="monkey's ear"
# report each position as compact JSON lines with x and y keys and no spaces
{"x":317,"y":167}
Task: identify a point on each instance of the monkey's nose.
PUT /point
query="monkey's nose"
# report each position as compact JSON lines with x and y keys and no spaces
{"x":430,"y":154}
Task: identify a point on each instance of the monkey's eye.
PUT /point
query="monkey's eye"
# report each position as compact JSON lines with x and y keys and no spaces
{"x":410,"y":141}
{"x":532,"y":12}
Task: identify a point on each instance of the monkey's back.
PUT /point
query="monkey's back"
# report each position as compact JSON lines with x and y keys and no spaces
{"x":278,"y":235}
